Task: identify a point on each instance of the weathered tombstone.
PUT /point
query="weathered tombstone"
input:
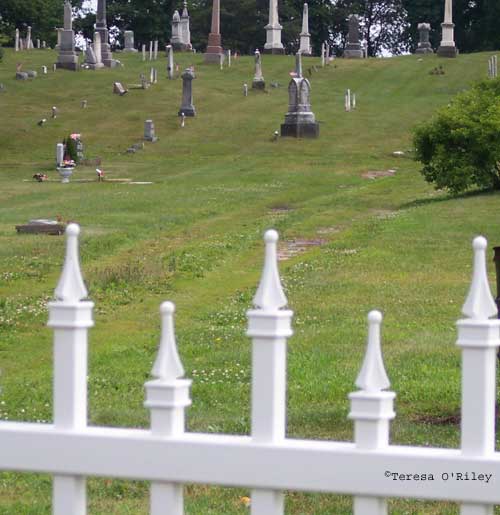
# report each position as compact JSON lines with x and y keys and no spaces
{"x":38,"y":44}
{"x":424,"y":45}
{"x":353,"y":102}
{"x":300,"y":121}
{"x":21,"y":76}
{"x":17,"y":41}
{"x":32,"y":74}
{"x":98,"y":49}
{"x":143,"y":52}
{"x":59,"y":154}
{"x":347,"y":100}
{"x":84,"y":104}
{"x":29,"y":42}
{"x":152,"y":75}
{"x":353,"y":49}
{"x":170,"y":62}
{"x":305,"y":36}
{"x":149,"y":131}
{"x":54,"y":112}
{"x":44,"y":70}
{"x":183,"y":119}
{"x":150,"y":50}
{"x":44,"y":44}
{"x":187,"y":106}
{"x":102,"y":27}
{"x":229,"y":58}
{"x":447,"y":47}
{"x":54,"y":67}
{"x":214,"y":48}
{"x":185,"y":30}
{"x":245,"y":89}
{"x":273,"y":31}
{"x":221,"y":61}
{"x":118,"y":89}
{"x":129,"y":41}
{"x":176,"y":39}
{"x":59,"y":38}
{"x":155,"y":50}
{"x":68,"y":58}
{"x":323,"y":51}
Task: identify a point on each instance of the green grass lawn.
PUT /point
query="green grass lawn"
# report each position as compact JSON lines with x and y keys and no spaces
{"x":194,"y":236}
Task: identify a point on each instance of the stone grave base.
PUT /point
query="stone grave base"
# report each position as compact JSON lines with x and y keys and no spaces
{"x":68,"y":66}
{"x":274,"y":51}
{"x":187,"y":112}
{"x":447,"y":51}
{"x":353,"y":54}
{"x":213,"y":58}
{"x":96,"y":66}
{"x":300,"y":130}
{"x":258,"y":84}
{"x":424,"y":50}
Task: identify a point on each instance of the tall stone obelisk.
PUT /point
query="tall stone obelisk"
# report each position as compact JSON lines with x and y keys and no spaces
{"x":102,"y":28}
{"x":305,"y":37}
{"x":214,"y":48}
{"x":273,"y":31}
{"x":67,"y":56}
{"x":447,"y":47}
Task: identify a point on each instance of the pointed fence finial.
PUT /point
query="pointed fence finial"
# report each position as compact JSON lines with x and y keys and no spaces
{"x":71,"y":287}
{"x":479,"y":304}
{"x":373,"y":377}
{"x":270,"y":293}
{"x":167,"y":366}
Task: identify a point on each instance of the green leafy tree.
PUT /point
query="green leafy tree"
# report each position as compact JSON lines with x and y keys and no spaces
{"x":460,"y":147}
{"x":42,"y":15}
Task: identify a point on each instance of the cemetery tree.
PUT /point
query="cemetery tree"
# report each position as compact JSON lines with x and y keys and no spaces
{"x":460,"y":147}
{"x":42,"y":15}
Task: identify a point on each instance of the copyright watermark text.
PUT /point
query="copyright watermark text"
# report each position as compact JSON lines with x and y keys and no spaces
{"x":444,"y":476}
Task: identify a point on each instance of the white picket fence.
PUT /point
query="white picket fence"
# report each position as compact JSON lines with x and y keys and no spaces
{"x":267,"y":462}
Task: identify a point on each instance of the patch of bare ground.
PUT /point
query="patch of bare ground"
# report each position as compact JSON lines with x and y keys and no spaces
{"x":378,"y":174}
{"x":292,"y":248}
{"x":329,"y":230}
{"x":438,"y":420}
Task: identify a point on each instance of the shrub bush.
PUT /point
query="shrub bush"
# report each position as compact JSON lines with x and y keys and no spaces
{"x":460,"y":146}
{"x":70,"y":149}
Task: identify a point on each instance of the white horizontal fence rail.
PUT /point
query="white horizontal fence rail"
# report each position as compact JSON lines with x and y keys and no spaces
{"x":267,"y":462}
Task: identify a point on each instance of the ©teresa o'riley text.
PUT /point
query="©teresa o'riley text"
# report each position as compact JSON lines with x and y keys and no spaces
{"x":444,"y":476}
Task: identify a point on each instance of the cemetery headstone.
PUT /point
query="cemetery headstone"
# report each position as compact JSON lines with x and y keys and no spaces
{"x":59,"y":154}
{"x":305,"y":36}
{"x":170,"y":62}
{"x":149,"y":131}
{"x":150,"y":50}
{"x":214,"y":48}
{"x":54,"y":112}
{"x":38,"y":44}
{"x":273,"y":31}
{"x":17,"y":41}
{"x":29,"y":42}
{"x":424,"y":45}
{"x":143,"y":52}
{"x":183,"y":119}
{"x":44,"y":70}
{"x":32,"y":74}
{"x":229,"y":58}
{"x":155,"y":50}
{"x":129,"y":41}
{"x":84,"y":104}
{"x":347,"y":100}
{"x":245,"y":89}
{"x":447,"y":47}
{"x":102,"y":28}
{"x":176,"y":39}
{"x":118,"y":89}
{"x":323,"y":51}
{"x":54,"y":67}
{"x":44,"y":44}
{"x":59,"y":38}
{"x":187,"y":106}
{"x":300,"y":121}
{"x":68,"y":58}
{"x":185,"y":30}
{"x":353,"y":48}
{"x":21,"y":76}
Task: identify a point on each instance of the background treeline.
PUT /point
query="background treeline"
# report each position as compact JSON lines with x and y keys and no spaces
{"x":388,"y":26}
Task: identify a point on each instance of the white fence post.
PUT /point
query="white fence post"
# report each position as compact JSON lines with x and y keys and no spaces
{"x":371,"y":409}
{"x":478,"y":338}
{"x":269,"y":327}
{"x":167,"y":397}
{"x":70,"y":317}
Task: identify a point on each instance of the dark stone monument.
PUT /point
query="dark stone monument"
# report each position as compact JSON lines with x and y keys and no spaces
{"x":353,"y":50}
{"x":102,"y":28}
{"x":300,"y":121}
{"x":187,"y":107}
{"x":424,"y":46}
{"x":214,"y":49}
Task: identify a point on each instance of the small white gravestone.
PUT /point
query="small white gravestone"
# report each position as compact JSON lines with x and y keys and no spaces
{"x":143,"y":52}
{"x":59,"y":154}
{"x":84,"y":104}
{"x":150,"y":50}
{"x":149,"y":131}
{"x":44,"y":70}
{"x":54,"y":112}
{"x":245,"y":89}
{"x":156,"y":50}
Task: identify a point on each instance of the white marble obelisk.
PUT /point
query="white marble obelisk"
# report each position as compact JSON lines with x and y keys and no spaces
{"x":305,"y":37}
{"x":447,"y":47}
{"x":273,"y":31}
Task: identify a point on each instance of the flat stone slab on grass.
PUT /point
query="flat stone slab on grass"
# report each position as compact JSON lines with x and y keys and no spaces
{"x":42,"y":227}
{"x":376,"y":175}
{"x":290,"y":249}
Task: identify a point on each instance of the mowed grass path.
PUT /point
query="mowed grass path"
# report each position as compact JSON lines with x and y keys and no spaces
{"x":195,"y":237}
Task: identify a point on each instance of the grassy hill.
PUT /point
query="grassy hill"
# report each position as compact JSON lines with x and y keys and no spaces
{"x":194,"y":236}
